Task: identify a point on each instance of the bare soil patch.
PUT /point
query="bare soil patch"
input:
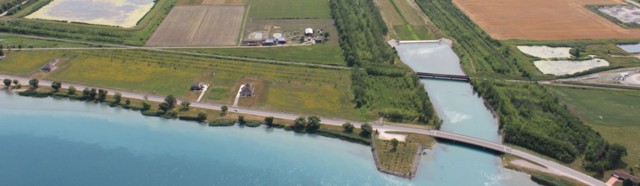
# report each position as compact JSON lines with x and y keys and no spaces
{"x":199,"y":26}
{"x":543,"y":19}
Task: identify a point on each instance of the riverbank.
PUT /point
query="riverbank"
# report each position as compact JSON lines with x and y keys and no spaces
{"x":402,"y":160}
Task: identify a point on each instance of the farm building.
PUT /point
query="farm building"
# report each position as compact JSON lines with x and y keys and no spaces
{"x":625,"y":176}
{"x":308,"y":32}
{"x":50,"y":66}
{"x":247,"y":90}
{"x":269,"y":42}
{"x":281,"y":40}
{"x":252,"y":42}
{"x":319,"y":39}
{"x":197,"y":86}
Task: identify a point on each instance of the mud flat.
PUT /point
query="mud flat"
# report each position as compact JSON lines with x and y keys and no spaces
{"x":546,"y":52}
{"x":565,"y":67}
{"x":122,"y":13}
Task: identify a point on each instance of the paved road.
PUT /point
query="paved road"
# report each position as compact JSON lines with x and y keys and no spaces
{"x":555,"y":167}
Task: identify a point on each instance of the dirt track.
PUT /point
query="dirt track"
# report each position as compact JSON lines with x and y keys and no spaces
{"x":543,"y":19}
{"x":199,"y":26}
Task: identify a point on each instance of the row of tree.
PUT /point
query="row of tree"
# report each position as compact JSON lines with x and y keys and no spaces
{"x":378,"y":85}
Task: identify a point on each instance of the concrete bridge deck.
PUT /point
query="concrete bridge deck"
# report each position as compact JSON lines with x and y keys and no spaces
{"x":443,"y":76}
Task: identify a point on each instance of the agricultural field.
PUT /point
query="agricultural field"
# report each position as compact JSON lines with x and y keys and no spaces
{"x":406,"y":20}
{"x":24,"y":63}
{"x":295,"y":89}
{"x":211,"y":2}
{"x":289,"y":9}
{"x":316,"y":54}
{"x":617,"y":120}
{"x":293,"y":28}
{"x":120,"y":13}
{"x":534,"y":20}
{"x":199,"y":26}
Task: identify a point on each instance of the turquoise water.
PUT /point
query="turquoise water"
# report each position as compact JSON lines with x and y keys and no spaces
{"x":62,"y":142}
{"x":462,"y":112}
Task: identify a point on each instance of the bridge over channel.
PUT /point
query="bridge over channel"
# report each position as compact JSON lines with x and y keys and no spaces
{"x":552,"y":166}
{"x":443,"y":76}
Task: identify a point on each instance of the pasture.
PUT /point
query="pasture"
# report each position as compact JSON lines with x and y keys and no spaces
{"x":304,"y":90}
{"x":290,"y":9}
{"x":617,"y":120}
{"x":406,"y":21}
{"x":211,"y":2}
{"x":199,"y":26}
{"x":121,"y":13}
{"x":535,"y":20}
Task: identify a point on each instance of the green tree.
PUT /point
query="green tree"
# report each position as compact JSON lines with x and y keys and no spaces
{"x":71,"y":90}
{"x":145,"y":105}
{"x":224,"y":109}
{"x":627,"y":182}
{"x":299,"y":124}
{"x":93,"y":93}
{"x":117,"y":98}
{"x":394,"y":143}
{"x":127,"y":102}
{"x":33,"y":83}
{"x":164,"y":107}
{"x":56,"y":86}
{"x":241,"y":120}
{"x":102,"y":95}
{"x":172,"y":114}
{"x":185,"y":105}
{"x":7,"y":82}
{"x":269,"y":121}
{"x":313,"y":124}
{"x":171,"y":101}
{"x":348,"y":127}
{"x":366,"y":130}
{"x":202,"y":116}
{"x":86,"y":93}
{"x":16,"y":82}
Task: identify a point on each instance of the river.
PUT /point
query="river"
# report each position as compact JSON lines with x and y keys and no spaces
{"x":462,"y":112}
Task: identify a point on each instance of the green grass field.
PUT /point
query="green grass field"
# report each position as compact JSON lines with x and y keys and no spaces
{"x":401,"y":159}
{"x":412,"y":32}
{"x":317,"y":54}
{"x":296,"y":89}
{"x":615,"y":114}
{"x":289,"y":9}
{"x":25,"y":62}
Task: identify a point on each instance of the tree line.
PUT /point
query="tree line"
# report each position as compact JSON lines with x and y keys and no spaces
{"x":377,"y":83}
{"x":532,"y":117}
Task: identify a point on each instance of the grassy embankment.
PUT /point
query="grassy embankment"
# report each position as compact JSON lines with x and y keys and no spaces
{"x":400,"y":161}
{"x":613,"y":113}
{"x":285,"y":88}
{"x":317,"y":54}
{"x":15,"y":43}
{"x":214,"y":118}
{"x":86,"y":32}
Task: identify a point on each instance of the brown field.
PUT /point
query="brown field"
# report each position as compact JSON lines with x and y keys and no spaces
{"x":199,"y":26}
{"x":543,"y":19}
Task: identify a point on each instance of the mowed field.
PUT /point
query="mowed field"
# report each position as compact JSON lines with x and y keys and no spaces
{"x":199,"y":26}
{"x":211,"y":2}
{"x":290,"y":9}
{"x":615,"y":114}
{"x":543,"y":19}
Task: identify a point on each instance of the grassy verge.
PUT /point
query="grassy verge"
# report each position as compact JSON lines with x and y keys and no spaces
{"x":401,"y":161}
{"x":316,"y":54}
{"x":539,"y":177}
{"x":16,"y":42}
{"x":97,"y":33}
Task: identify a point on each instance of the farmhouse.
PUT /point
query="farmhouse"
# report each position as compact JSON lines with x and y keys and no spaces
{"x":281,"y":40}
{"x":247,"y":90}
{"x":319,"y":39}
{"x":625,"y":176}
{"x":268,"y":42}
{"x":308,"y":32}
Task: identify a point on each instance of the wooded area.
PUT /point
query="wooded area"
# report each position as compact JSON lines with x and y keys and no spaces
{"x":379,"y":85}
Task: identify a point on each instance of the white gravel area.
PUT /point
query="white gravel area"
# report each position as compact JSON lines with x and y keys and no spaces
{"x":383,"y":135}
{"x":546,"y":52}
{"x":624,"y":13}
{"x":565,"y":67}
{"x":632,"y":79}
